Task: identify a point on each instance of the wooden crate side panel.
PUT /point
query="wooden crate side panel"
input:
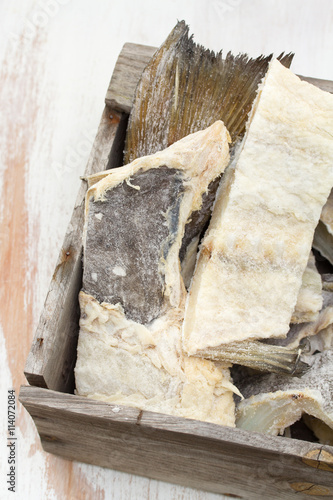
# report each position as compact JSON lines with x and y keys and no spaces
{"x":131,"y":61}
{"x":52,"y":356}
{"x":187,"y":452}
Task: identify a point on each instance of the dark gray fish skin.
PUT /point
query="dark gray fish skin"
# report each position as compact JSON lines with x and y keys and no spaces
{"x":127,"y":235}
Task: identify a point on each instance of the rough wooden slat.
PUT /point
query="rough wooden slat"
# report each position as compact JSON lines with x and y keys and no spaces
{"x":53,"y":353}
{"x":132,"y":61}
{"x":192,"y":453}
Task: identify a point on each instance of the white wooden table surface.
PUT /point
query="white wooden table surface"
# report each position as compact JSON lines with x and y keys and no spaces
{"x":57,"y":57}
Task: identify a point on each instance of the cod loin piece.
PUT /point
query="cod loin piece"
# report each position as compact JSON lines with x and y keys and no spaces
{"x":133,"y":298}
{"x":252,"y":259}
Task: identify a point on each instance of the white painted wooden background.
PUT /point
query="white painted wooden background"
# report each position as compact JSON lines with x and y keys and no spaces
{"x":57,"y":57}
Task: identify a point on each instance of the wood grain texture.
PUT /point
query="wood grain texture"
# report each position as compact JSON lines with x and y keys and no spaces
{"x":196,"y":454}
{"x":56,"y":61}
{"x":132,"y":60}
{"x":130,"y":64}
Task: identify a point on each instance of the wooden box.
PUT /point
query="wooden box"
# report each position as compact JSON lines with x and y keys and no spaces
{"x":188,"y":452}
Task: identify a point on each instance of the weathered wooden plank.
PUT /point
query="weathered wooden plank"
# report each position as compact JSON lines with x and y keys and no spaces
{"x":188,"y":452}
{"x":52,"y":356}
{"x":132,"y":61}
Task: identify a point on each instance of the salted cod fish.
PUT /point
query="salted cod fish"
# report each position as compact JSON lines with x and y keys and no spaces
{"x":133,"y":297}
{"x":313,"y":313}
{"x":274,"y":402}
{"x":253,"y":256}
{"x":185,"y":88}
{"x":309,"y":329}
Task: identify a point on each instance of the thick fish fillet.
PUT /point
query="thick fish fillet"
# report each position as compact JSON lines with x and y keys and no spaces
{"x":323,"y":237}
{"x":256,"y":249}
{"x":186,"y":87}
{"x":133,"y":298}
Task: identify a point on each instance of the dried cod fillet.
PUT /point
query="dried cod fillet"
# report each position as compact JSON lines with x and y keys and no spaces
{"x":274,"y":402}
{"x":322,"y":431}
{"x":323,"y":237}
{"x":133,"y":298}
{"x":135,"y":219}
{"x":255,"y":251}
{"x":309,"y":300}
{"x":327,"y":282}
{"x":123,"y":362}
{"x":186,"y":88}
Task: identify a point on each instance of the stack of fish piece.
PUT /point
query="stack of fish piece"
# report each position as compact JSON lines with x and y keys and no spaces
{"x":255,"y":293}
{"x":132,"y":306}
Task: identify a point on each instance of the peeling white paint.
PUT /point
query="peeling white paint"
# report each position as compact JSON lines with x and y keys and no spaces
{"x":31,"y":466}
